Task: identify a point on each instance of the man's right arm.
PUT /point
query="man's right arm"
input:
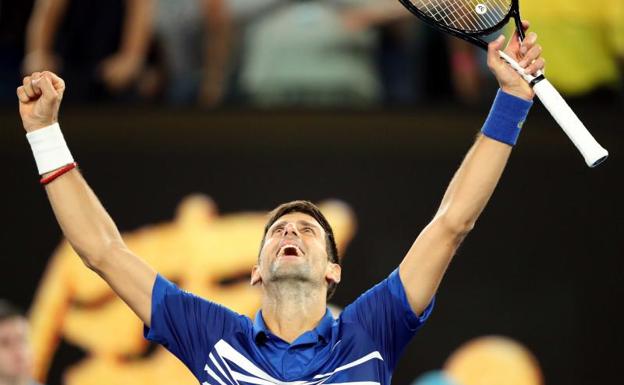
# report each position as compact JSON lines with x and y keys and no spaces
{"x":83,"y":219}
{"x":94,"y":236}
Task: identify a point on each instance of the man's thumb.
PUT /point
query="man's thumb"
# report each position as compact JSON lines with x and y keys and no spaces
{"x":493,"y":48}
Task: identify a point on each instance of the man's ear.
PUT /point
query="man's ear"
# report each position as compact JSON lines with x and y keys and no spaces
{"x":334,"y":272}
{"x":255,"y":275}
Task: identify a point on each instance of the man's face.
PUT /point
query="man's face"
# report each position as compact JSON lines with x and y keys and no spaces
{"x":15,"y":354}
{"x":295,"y":249}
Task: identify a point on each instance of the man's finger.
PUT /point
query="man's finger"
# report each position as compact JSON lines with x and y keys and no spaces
{"x":533,"y":53}
{"x":537,"y":65}
{"x":21,"y":95}
{"x":57,"y":82}
{"x":36,"y":86}
{"x":528,"y":43}
{"x":28,"y":87}
{"x":514,"y":42}
{"x":48,"y":91}
{"x":34,"y":80}
{"x":530,"y":38}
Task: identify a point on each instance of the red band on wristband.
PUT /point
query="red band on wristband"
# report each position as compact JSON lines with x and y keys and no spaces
{"x":57,"y":173}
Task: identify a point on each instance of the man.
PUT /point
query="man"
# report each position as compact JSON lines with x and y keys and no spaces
{"x":122,"y":31}
{"x":294,"y":339}
{"x":15,"y":353}
{"x":299,"y":53}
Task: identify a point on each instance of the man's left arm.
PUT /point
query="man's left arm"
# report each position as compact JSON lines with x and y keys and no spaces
{"x":472,"y":186}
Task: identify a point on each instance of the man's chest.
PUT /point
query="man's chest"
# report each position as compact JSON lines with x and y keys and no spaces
{"x":344,"y":359}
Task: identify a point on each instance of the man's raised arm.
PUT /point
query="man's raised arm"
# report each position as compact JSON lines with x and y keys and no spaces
{"x":85,"y":223}
{"x":424,"y":265}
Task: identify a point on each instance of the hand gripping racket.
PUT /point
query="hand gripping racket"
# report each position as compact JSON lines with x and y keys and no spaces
{"x":470,"y":19}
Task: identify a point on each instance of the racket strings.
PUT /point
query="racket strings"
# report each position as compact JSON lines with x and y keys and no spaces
{"x":465,"y":15}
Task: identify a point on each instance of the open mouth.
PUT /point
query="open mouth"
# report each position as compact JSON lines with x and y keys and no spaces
{"x":290,"y":251}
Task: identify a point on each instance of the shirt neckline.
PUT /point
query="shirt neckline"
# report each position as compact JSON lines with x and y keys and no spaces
{"x":322,"y":331}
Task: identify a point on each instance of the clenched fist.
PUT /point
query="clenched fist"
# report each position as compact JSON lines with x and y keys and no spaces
{"x":39,"y":99}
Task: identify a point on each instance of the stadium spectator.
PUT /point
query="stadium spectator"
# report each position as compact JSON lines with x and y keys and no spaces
{"x":194,"y":41}
{"x":302,"y":53}
{"x":98,"y":45}
{"x":453,"y":67}
{"x":15,"y":352}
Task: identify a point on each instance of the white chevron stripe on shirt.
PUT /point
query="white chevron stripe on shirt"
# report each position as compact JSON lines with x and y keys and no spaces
{"x":255,"y":375}
{"x":357,"y":362}
{"x":212,"y":374}
{"x":220,"y":369}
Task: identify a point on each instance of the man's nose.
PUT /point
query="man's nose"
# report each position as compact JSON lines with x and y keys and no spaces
{"x":290,"y":229}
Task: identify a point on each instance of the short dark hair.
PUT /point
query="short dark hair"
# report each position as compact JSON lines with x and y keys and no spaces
{"x":309,"y":208}
{"x":8,"y":310}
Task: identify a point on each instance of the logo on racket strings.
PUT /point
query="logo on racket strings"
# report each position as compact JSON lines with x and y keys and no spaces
{"x":481,"y":9}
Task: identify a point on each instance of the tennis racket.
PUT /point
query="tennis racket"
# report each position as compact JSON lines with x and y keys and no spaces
{"x":470,"y":19}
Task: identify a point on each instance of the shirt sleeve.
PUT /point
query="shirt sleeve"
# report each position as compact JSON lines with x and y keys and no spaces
{"x":186,"y":325}
{"x":384,"y":312}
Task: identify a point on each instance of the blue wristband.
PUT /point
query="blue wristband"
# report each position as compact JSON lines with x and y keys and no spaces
{"x":506,"y":118}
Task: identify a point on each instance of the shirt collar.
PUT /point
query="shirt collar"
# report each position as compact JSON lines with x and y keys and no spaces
{"x":322,"y":330}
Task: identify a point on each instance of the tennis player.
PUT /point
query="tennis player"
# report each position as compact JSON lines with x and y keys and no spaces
{"x":294,"y":339}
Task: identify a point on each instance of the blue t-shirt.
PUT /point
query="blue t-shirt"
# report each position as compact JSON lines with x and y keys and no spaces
{"x":222,"y":347}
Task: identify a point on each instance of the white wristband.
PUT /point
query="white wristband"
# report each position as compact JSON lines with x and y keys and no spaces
{"x":49,"y":148}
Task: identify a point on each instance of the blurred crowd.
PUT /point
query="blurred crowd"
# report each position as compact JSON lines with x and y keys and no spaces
{"x":16,"y":358}
{"x":266,"y":53}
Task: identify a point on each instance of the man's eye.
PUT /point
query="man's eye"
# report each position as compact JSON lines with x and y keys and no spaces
{"x":308,"y":230}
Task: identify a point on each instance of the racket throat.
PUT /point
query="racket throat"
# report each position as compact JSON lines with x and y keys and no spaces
{"x":518,"y":22}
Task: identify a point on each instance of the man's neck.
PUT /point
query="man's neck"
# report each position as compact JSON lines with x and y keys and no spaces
{"x":290,"y":309}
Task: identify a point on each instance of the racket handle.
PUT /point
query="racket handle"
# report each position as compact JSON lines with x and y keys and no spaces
{"x":591,"y":150}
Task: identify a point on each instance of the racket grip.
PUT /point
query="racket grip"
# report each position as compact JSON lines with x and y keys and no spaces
{"x":591,"y":150}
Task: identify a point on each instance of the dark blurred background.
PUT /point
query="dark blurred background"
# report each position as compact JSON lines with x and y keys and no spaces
{"x":255,"y":102}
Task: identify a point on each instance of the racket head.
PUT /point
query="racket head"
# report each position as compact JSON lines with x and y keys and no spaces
{"x":465,"y":25}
